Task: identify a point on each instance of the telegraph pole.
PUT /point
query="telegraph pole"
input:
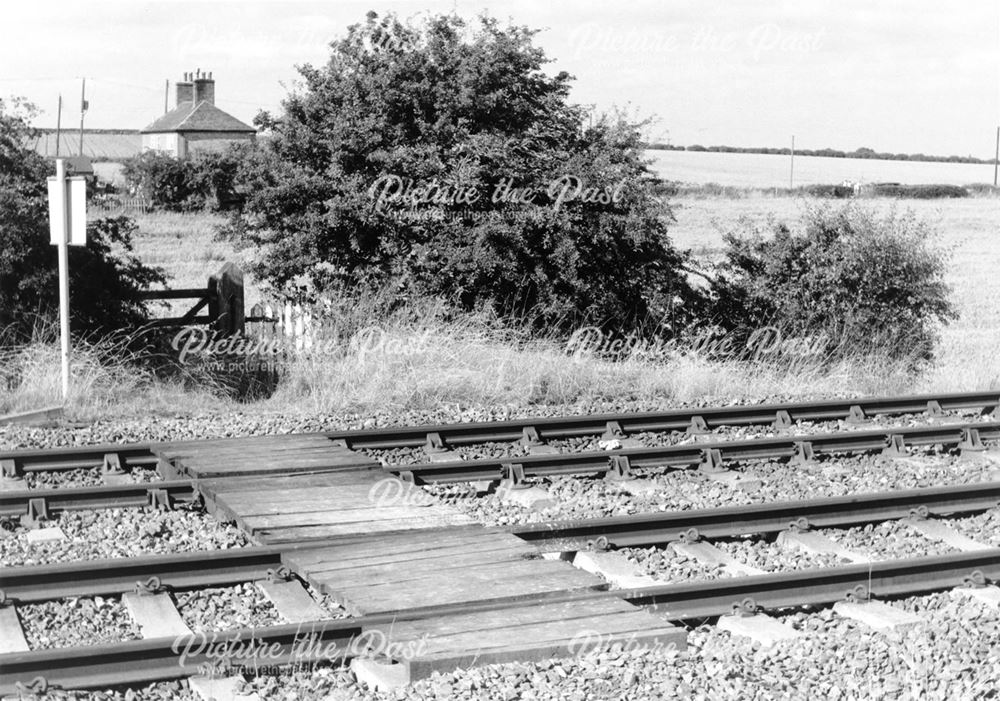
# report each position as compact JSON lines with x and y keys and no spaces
{"x":58,"y":126}
{"x":996,"y":158}
{"x":791,"y":165}
{"x":83,"y":109}
{"x":166,"y":95}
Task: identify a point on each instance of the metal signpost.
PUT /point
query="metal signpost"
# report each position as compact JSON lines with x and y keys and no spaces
{"x":67,"y":227}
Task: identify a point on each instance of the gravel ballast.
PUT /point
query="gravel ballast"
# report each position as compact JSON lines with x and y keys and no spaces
{"x":111,"y":533}
{"x":953,"y":654}
{"x":222,"y":608}
{"x":76,"y":621}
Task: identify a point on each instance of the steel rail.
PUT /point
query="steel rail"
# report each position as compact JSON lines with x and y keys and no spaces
{"x":48,"y":502}
{"x":820,"y":586}
{"x":156,"y":659}
{"x":675,"y":420}
{"x":692,"y":454}
{"x":835,"y":512}
{"x":77,"y":457}
{"x":34,"y":583}
{"x":550,"y":428}
{"x":170,"y":658}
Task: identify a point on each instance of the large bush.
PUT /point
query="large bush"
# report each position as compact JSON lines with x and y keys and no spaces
{"x":105,"y":279}
{"x":850,"y":278}
{"x":204,"y":181}
{"x":432,"y":117}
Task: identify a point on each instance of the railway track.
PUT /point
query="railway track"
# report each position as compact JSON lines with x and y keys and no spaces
{"x":709,"y":457}
{"x":210,"y":568}
{"x":156,"y":659}
{"x":301,"y":559}
{"x":437,"y":439}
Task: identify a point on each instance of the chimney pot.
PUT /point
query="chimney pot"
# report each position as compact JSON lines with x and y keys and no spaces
{"x":204,"y":88}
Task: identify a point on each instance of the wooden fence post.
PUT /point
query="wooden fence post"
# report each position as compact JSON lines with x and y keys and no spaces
{"x":225,"y":305}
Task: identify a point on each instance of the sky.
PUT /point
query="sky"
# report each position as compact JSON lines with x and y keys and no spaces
{"x":901,"y":76}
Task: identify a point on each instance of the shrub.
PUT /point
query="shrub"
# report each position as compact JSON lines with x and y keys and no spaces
{"x":167,"y":182}
{"x":204,"y":181}
{"x":917,"y":191}
{"x":448,"y":109}
{"x":850,"y":276}
{"x":105,"y":279}
{"x":834,"y":191}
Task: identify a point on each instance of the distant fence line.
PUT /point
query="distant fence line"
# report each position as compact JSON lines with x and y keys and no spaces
{"x":116,"y":204}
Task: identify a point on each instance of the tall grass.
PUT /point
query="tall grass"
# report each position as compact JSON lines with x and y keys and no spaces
{"x":110,"y":376}
{"x":368,"y":358}
{"x":419,"y":357}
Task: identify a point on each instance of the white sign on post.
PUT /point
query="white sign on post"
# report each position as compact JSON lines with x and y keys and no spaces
{"x":67,"y":227}
{"x":70,"y":201}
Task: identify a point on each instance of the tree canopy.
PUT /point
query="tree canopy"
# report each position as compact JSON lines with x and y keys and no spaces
{"x":105,"y":279}
{"x":441,"y":159}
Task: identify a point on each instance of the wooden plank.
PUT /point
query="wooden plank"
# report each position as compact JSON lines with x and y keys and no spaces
{"x":258,"y":454}
{"x":156,"y":615}
{"x":274,"y":468}
{"x":298,"y":534}
{"x":406,"y":570}
{"x":352,"y":496}
{"x":11,"y":634}
{"x":510,"y":581}
{"x":506,"y":617}
{"x":411,"y":545}
{"x":228,"y":441}
{"x":322,"y":517}
{"x":321,"y":459}
{"x":250,"y":484}
{"x":421,"y":560}
{"x":245,"y":447}
{"x":293,"y":602}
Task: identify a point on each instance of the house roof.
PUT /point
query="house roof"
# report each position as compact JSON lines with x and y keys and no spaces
{"x":204,"y":116}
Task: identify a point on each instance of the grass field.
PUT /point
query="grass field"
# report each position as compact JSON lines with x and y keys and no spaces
{"x":763,"y":170}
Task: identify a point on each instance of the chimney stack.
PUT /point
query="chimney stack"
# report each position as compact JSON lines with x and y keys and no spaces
{"x":185,"y":90}
{"x":204,"y":88}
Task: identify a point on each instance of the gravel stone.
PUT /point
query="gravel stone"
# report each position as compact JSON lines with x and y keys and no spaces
{"x":110,"y":533}
{"x":223,"y":608}
{"x":83,"y":477}
{"x":888,"y":540}
{"x":76,"y":621}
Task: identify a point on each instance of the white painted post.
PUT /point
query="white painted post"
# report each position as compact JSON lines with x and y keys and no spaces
{"x":67,"y":227}
{"x":63,"y":246}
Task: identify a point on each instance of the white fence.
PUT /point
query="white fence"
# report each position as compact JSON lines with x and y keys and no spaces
{"x":288,"y":321}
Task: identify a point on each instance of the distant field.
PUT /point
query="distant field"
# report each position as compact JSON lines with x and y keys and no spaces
{"x":969,"y":356}
{"x":763,"y":170}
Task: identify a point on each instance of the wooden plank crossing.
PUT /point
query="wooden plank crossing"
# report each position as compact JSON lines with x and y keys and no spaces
{"x":458,"y":593}
{"x":260,"y":455}
{"x":398,"y":573}
{"x":311,"y":506}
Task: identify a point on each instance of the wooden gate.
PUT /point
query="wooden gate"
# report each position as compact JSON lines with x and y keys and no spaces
{"x":219,"y":304}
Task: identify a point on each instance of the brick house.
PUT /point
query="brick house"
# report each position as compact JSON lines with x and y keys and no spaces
{"x":195,"y":124}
